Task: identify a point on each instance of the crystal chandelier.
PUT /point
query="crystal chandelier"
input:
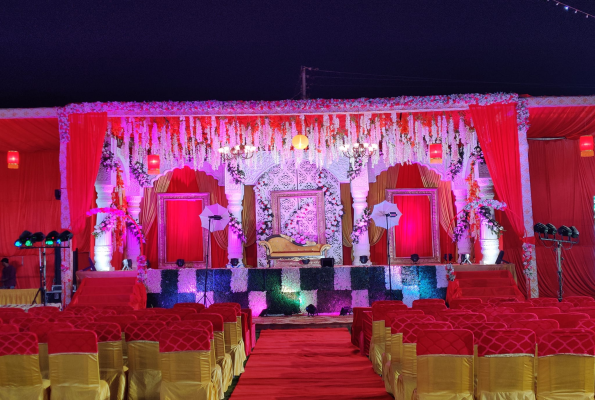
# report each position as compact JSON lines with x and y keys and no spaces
{"x":358,"y":150}
{"x":240,"y":151}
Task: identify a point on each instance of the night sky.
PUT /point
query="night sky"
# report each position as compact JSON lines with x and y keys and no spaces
{"x":58,"y":52}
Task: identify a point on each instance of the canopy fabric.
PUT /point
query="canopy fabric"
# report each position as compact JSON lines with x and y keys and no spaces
{"x":561,"y":122}
{"x":29,"y":134}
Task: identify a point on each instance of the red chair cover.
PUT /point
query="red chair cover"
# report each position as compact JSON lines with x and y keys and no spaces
{"x":462,"y":319}
{"x":237,"y":311}
{"x":80,"y":309}
{"x":144,"y":330}
{"x":579,"y":301}
{"x":478,"y":307}
{"x":540,"y":326}
{"x":478,"y":328}
{"x":215,"y":319}
{"x":565,"y":306}
{"x":94,"y":314}
{"x":74,"y":321}
{"x":23,"y":343}
{"x":398,"y":323}
{"x":492,"y":311}
{"x":158,"y":310}
{"x":458,"y":302}
{"x":121,"y":320}
{"x":167,"y":318}
{"x":518,"y":307}
{"x":367,"y":331}
{"x":246,"y":334}
{"x":441,"y":316}
{"x":379,"y":302}
{"x":566,"y":341}
{"x":583,"y":324}
{"x":506,"y":341}
{"x":43,"y":310}
{"x":196,"y":306}
{"x":420,"y":302}
{"x":8,"y":328}
{"x":228,"y":314}
{"x":411,"y":329}
{"x":510,"y":318}
{"x":184,"y":340}
{"x":180,"y":311}
{"x":590,"y":311}
{"x":569,"y":320}
{"x":105,"y":331}
{"x":543,"y":312}
{"x":42,"y":329}
{"x":142,"y":314}
{"x":25,"y":323}
{"x":495,"y":301}
{"x":429,"y":309}
{"x":543,"y":301}
{"x":72,"y":341}
{"x":379,"y":311}
{"x":391,"y":315}
{"x":236,"y":306}
{"x":196,"y":324}
{"x":433,"y":341}
{"x":120,"y":309}
{"x":6,"y":314}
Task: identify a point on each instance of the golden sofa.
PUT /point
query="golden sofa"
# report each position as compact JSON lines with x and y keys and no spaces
{"x":282,"y":247}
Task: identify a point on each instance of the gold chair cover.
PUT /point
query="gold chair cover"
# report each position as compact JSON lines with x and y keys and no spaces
{"x":144,"y":373}
{"x":407,"y":380}
{"x":223,"y":360}
{"x":76,"y":377}
{"x":391,"y":374}
{"x":187,"y":375}
{"x":44,"y":361}
{"x":505,"y":377}
{"x":441,"y":377}
{"x":111,"y":368}
{"x":20,"y":378}
{"x":565,"y":376}
{"x":377,"y":345}
{"x":232,"y":346}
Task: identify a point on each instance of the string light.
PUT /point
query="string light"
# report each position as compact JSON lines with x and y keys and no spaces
{"x":576,"y":10}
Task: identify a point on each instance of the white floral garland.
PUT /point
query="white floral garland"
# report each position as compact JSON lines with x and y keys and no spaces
{"x":482,"y":208}
{"x":236,"y":228}
{"x":333,"y":206}
{"x":361,"y":225}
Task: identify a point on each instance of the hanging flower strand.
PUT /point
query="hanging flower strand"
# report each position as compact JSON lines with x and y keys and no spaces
{"x":236,"y":228}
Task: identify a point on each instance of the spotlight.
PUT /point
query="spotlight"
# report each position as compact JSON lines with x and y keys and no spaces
{"x":311,"y":310}
{"x":64,"y":237}
{"x":234,"y":262}
{"x":51,"y":238}
{"x":180,"y":262}
{"x":465,"y":259}
{"x":551,"y":229}
{"x":574,"y":231}
{"x":346,"y":310}
{"x":363,"y":259}
{"x":36,"y":237}
{"x":448,"y":257}
{"x":415,"y":258}
{"x":564,"y":231}
{"x":22,"y":239}
{"x":540,"y":228}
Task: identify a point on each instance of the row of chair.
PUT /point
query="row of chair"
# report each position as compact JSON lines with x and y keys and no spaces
{"x":136,"y":339}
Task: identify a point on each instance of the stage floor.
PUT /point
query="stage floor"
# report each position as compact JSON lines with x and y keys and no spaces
{"x":302,"y":321}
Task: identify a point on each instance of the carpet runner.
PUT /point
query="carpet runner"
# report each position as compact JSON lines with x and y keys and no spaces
{"x":308,"y":364}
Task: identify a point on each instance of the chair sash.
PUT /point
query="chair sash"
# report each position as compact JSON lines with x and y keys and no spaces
{"x":444,"y":377}
{"x":506,"y":376}
{"x":386,"y":355}
{"x":20,"y":378}
{"x":223,"y":359}
{"x":565,"y":376}
{"x":44,"y":361}
{"x":216,"y":375}
{"x":187,"y":375}
{"x":377,"y":345}
{"x":111,"y":368}
{"x":144,"y":373}
{"x":233,"y":348}
{"x":407,"y":380}
{"x":76,"y":377}
{"x":391,"y":375}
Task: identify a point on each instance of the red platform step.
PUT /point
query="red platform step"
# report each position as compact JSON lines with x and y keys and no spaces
{"x":101,"y":292}
{"x":483,"y":285}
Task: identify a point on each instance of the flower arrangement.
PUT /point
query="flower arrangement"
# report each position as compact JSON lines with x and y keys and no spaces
{"x":361,"y":225}
{"x":481,"y":208}
{"x":136,"y":230}
{"x":104,"y":226}
{"x":106,"y":210}
{"x":265,"y":227}
{"x":293,"y":226}
{"x":108,"y":161}
{"x":477,"y":156}
{"x":456,"y":165}
{"x":332,"y":205}
{"x":141,"y":262}
{"x":356,"y":166}
{"x":139,"y":172}
{"x":236,"y":228}
{"x":237,"y":175}
{"x":450,"y":272}
{"x":528,"y":261}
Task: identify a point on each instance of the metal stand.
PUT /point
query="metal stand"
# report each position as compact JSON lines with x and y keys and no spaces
{"x":41,"y":290}
{"x":204,"y":297}
{"x":390,"y":278}
{"x":558,"y":245}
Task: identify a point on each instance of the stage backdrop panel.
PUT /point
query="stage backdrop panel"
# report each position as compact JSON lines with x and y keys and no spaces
{"x":292,"y":289}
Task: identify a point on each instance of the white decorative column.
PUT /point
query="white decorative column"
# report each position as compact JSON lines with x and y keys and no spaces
{"x":132,"y":243}
{"x":360,"y":187}
{"x":490,"y":244}
{"x":464,"y":244}
{"x":104,"y":185}
{"x":235,"y":194}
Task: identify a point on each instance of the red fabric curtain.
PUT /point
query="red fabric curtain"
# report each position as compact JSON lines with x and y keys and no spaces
{"x":184,"y":231}
{"x":28,"y":203}
{"x":87,"y":133}
{"x":562,"y":122}
{"x":497,"y":132}
{"x":414,"y":232}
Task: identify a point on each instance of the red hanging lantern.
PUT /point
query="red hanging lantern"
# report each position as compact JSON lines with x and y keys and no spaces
{"x":153,"y":163}
{"x":436,"y":153}
{"x":12,"y":157}
{"x":586,"y":146}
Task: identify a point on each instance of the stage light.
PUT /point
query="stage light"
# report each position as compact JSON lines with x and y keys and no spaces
{"x":51,"y":238}
{"x":551,"y":229}
{"x":415,"y":258}
{"x":12,"y":158}
{"x":564,"y":231}
{"x":586,"y":146}
{"x":363,"y":259}
{"x":436,"y":153}
{"x":540,"y":228}
{"x":311,"y":310}
{"x":22,"y":239}
{"x":346,"y":310}
{"x":574,"y":231}
{"x":180,"y":262}
{"x":465,"y":259}
{"x":300,"y":142}
{"x":64,"y":237}
{"x":153,"y":164}
{"x":36,"y":237}
{"x":234,"y":262}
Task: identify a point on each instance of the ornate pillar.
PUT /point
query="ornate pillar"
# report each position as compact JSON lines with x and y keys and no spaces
{"x":464,"y":244}
{"x":235,"y":195}
{"x":104,"y":185}
{"x":359,"y":192}
{"x":490,"y":244}
{"x":132,"y":244}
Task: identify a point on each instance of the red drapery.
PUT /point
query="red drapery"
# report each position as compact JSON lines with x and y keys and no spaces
{"x":87,"y":133}
{"x":28,"y":203}
{"x":184,"y":231}
{"x":562,"y":189}
{"x":497,"y":131}
{"x":414,"y":232}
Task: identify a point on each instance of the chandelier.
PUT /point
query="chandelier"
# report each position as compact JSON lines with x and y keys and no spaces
{"x":240,"y":151}
{"x":358,"y":150}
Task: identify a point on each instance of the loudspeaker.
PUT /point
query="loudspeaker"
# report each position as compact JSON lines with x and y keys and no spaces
{"x":327,"y":262}
{"x":58,"y":194}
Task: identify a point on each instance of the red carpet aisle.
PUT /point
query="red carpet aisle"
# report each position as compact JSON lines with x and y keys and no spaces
{"x":308,"y":364}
